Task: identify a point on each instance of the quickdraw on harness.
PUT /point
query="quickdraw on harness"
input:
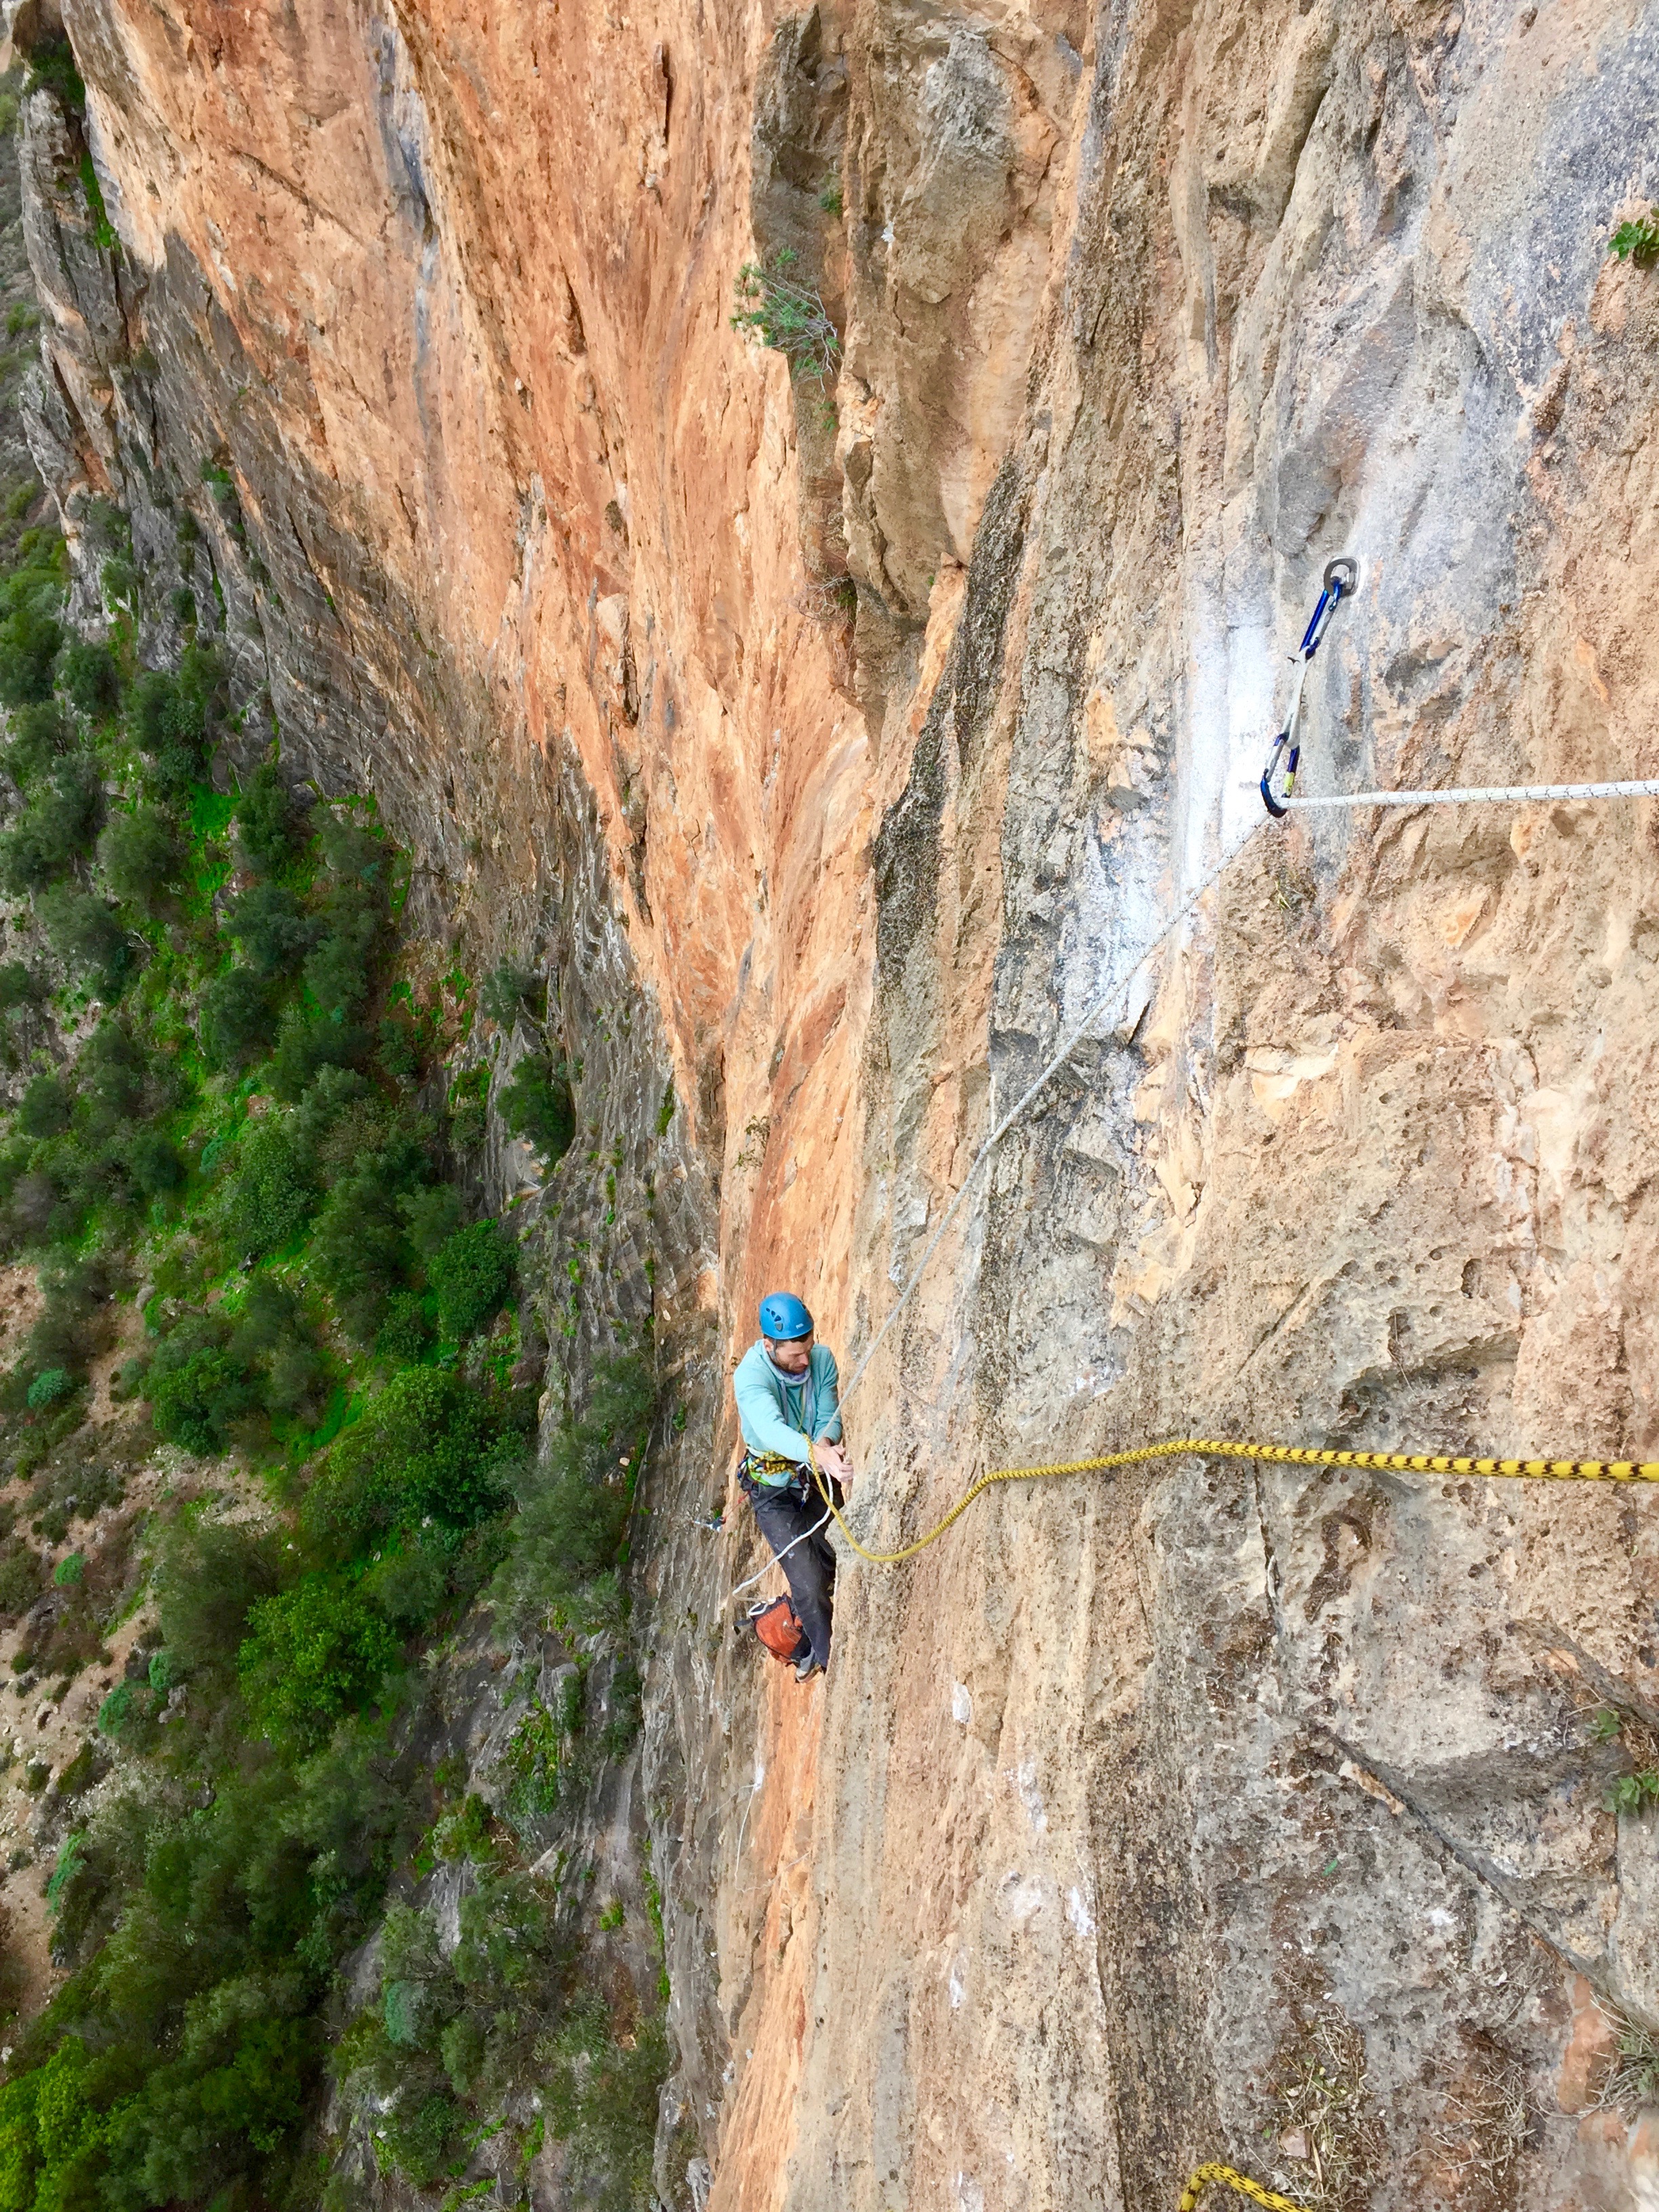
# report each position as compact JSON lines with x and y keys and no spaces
{"x":1342,"y":576}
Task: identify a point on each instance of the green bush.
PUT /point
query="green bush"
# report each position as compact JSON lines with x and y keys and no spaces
{"x":272,"y":1335}
{"x":535,"y":1103}
{"x":46,"y":1107}
{"x":274,"y":935}
{"x":168,"y":716}
{"x":69,"y":1570}
{"x":30,"y":635}
{"x":199,"y":1392}
{"x":56,"y":829}
{"x":270,"y":825}
{"x":155,"y":1163}
{"x":509,"y":991}
{"x":404,"y":1337}
{"x":314,"y":1653}
{"x":40,"y":735}
{"x":473,"y":1272}
{"x":209,"y":1576}
{"x":573,"y":1509}
{"x":86,"y":934}
{"x":360,"y":1251}
{"x":236,"y":1019}
{"x":88,"y":673}
{"x":272,"y":1197}
{"x":140,"y":854}
{"x":51,"y":69}
{"x":47,"y":1388}
{"x":22,"y":1580}
{"x":428,"y":1447}
{"x":307,"y":1044}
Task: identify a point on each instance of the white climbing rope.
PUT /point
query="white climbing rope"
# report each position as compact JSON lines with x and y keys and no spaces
{"x":1501,"y":793}
{"x":776,"y":1556}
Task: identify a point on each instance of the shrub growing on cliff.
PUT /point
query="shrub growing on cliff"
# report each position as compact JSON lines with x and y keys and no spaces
{"x":572,"y":1508}
{"x":313,"y":1653}
{"x":30,"y":635}
{"x":89,"y":673}
{"x":430,"y":1447}
{"x":275,"y":934}
{"x":85,"y":932}
{"x":272,"y":1196}
{"x":271,"y":825}
{"x":236,"y":1017}
{"x":778,"y":308}
{"x":55,"y":829}
{"x":1638,"y":241}
{"x":141,"y":854}
{"x":535,"y":1103}
{"x":472,"y":1272}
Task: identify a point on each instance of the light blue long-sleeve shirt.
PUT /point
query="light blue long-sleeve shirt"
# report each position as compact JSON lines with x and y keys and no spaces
{"x":779,"y":1411}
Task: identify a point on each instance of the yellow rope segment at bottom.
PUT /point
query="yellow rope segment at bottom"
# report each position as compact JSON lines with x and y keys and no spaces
{"x":1242,"y":2183}
{"x":1547,"y":1470}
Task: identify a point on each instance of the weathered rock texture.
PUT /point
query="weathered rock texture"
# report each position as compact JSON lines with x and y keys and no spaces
{"x":1131,"y":1799}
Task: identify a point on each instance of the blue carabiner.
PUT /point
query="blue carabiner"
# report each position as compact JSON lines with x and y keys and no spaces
{"x":1338,"y":583}
{"x":1272,"y":804}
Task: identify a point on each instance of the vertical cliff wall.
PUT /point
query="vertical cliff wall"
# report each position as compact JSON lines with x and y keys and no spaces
{"x":838,"y":737}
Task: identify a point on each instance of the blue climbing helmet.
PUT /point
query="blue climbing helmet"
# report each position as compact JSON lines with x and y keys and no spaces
{"x":783,"y":1316}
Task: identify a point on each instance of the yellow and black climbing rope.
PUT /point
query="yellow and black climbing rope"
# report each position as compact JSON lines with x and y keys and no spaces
{"x":1546,"y":1470}
{"x":1241,"y":2182}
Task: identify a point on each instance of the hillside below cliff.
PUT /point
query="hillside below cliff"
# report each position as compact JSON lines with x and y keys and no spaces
{"x":795,"y":528}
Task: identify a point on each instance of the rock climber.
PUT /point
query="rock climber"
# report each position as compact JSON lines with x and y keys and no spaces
{"x":786,"y":1389}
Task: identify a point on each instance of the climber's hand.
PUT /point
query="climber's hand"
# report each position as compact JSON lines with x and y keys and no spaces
{"x":833,"y":1459}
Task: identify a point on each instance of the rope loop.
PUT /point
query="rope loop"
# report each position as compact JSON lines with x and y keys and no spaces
{"x":1229,"y":2177}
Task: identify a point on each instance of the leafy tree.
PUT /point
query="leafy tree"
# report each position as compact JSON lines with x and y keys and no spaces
{"x":155,"y":1163}
{"x":270,"y":824}
{"x":40,"y":735}
{"x":46,"y":1107}
{"x":30,"y":635}
{"x":428,"y":1447}
{"x":86,"y":934}
{"x":536,"y":1104}
{"x":509,"y":991}
{"x":274,"y":935}
{"x":56,"y":829}
{"x":20,"y":986}
{"x":573,"y":1509}
{"x":168,"y":719}
{"x":272,"y":1335}
{"x":209,"y":1576}
{"x":272,"y":1197}
{"x":199,"y":1391}
{"x":236,"y":1017}
{"x":140,"y":854}
{"x":313,"y":1653}
{"x":472,"y":1272}
{"x":405,"y":1335}
{"x":89,"y":673}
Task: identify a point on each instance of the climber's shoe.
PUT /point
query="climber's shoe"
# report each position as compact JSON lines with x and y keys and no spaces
{"x":807,"y":1668}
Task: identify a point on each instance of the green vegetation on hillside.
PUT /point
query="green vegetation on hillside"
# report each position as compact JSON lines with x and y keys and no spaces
{"x":223,"y":1165}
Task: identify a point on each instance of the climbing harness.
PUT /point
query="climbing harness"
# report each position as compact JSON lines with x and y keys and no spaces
{"x":1510,"y":794}
{"x":1342,"y":576}
{"x":1546,"y":1470}
{"x":1228,"y":2179}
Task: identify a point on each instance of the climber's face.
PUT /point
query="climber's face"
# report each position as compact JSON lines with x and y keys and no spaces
{"x":793,"y":1354}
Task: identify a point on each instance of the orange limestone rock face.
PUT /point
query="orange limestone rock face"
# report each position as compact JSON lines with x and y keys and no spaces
{"x":805,"y":517}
